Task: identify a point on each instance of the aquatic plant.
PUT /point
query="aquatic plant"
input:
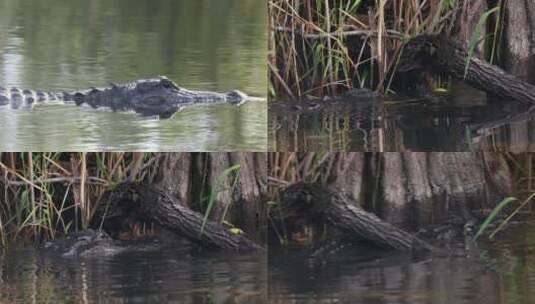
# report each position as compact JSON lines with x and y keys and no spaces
{"x":321,"y":47}
{"x":525,"y":181}
{"x":48,"y":194}
{"x":232,"y":173}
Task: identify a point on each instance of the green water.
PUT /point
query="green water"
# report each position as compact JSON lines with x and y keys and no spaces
{"x":61,"y":45}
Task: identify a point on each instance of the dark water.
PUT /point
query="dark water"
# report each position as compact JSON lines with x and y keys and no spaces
{"x":501,"y":272}
{"x":62,"y":45}
{"x":461,"y":122}
{"x":172,"y":275}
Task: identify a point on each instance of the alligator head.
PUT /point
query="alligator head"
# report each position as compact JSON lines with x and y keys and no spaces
{"x":156,"y":97}
{"x":163,"y":97}
{"x":82,"y":244}
{"x":236,"y":97}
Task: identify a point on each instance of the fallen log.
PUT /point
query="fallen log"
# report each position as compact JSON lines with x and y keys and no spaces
{"x":138,"y":202}
{"x":445,"y":55}
{"x":316,"y":202}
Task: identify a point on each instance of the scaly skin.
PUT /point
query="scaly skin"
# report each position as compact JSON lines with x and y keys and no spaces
{"x":148,"y":97}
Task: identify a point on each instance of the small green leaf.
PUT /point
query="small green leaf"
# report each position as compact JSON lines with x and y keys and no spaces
{"x":475,"y":36}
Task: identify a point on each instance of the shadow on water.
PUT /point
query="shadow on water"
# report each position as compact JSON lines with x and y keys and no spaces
{"x":62,"y":45}
{"x":501,"y":272}
{"x":461,"y":122}
{"x":170,"y":275}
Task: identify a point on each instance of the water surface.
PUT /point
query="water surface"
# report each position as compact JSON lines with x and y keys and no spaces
{"x":461,"y":122}
{"x":501,"y":272}
{"x":171,"y":275}
{"x":62,"y":45}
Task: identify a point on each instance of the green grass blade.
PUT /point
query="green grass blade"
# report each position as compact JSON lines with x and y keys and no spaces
{"x":215,"y":190}
{"x":506,"y":201}
{"x":474,"y":40}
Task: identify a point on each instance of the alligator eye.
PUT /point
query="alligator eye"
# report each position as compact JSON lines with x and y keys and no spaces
{"x":166,"y":83}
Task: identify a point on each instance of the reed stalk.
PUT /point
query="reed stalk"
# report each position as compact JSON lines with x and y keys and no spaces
{"x":325,"y":47}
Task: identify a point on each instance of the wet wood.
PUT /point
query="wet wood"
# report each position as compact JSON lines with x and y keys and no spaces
{"x":446,"y":55}
{"x":316,"y":202}
{"x":133,"y":202}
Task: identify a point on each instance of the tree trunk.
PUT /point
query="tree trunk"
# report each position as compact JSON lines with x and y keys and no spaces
{"x":136,"y":202}
{"x":251,"y":185}
{"x":414,"y":189}
{"x":350,"y":174}
{"x":174,"y":175}
{"x":219,"y":162}
{"x":520,"y":39}
{"x":316,"y":202}
{"x":449,"y":56}
{"x":427,"y":188}
{"x":178,"y":172}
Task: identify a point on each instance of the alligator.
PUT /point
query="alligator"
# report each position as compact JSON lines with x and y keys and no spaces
{"x":86,"y":244}
{"x":351,"y":98}
{"x":93,"y":243}
{"x":148,"y":97}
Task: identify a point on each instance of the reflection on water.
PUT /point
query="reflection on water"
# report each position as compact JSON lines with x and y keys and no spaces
{"x":515,"y":134}
{"x":502,"y":273}
{"x":62,"y":45}
{"x":66,"y":128}
{"x":173,"y":275}
{"x":345,"y":125}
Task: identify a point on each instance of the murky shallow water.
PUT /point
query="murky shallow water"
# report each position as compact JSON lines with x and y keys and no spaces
{"x":61,"y":45}
{"x":459,"y":124}
{"x":502,"y":272}
{"x":172,"y":275}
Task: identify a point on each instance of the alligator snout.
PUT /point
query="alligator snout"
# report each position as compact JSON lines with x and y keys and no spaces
{"x":236,"y":97}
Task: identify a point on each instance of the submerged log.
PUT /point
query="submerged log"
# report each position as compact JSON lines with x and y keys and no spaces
{"x":443,"y":54}
{"x":139,"y":202}
{"x":316,"y":202}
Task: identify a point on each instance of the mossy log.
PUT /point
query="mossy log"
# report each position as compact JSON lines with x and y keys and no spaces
{"x":316,"y":202}
{"x":138,"y":202}
{"x":446,"y":55}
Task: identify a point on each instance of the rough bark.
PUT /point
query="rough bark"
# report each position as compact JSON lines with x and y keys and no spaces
{"x":174,"y":175}
{"x":250,"y":186}
{"x":395,"y":194}
{"x":448,"y":56}
{"x":520,"y":39}
{"x":137,"y":202}
{"x":428,"y":188}
{"x":177,"y":173}
{"x":219,"y":162}
{"x":349,"y":176}
{"x":315,"y":202}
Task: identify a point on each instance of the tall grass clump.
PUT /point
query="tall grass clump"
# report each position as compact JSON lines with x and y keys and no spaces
{"x":324,"y":47}
{"x":46,"y":194}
